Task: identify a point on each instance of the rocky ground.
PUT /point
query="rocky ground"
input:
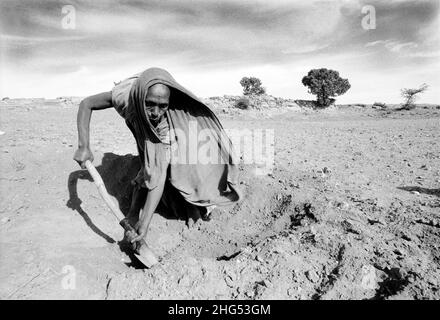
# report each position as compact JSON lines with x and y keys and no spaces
{"x":350,"y":210}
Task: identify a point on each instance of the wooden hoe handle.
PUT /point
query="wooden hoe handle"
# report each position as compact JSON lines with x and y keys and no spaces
{"x":103,"y":191}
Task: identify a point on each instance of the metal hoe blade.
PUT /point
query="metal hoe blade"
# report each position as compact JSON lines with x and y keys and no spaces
{"x":146,"y":256}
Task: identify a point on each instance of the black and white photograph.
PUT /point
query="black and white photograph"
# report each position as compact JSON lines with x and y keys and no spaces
{"x":241,"y":151}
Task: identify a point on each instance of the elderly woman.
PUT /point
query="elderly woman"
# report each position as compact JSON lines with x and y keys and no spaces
{"x":190,"y":175}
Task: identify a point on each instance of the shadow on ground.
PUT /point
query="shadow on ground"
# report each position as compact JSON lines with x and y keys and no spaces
{"x":116,"y":172}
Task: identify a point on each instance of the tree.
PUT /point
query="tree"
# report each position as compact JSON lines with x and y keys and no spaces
{"x":252,"y":85}
{"x":410,"y":96}
{"x":325,"y":83}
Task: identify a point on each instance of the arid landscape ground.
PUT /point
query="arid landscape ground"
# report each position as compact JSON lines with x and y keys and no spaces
{"x":350,"y":211}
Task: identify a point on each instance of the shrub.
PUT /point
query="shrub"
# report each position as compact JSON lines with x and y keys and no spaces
{"x":410,"y":96}
{"x":325,"y":83}
{"x":242,"y":103}
{"x":380,"y":105}
{"x":252,"y":85}
{"x":306,"y":104}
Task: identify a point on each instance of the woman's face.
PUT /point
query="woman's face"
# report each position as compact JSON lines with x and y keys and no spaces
{"x":157,"y":102}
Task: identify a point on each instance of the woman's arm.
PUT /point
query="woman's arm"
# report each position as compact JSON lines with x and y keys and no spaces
{"x":96,"y":102}
{"x":153,"y":198}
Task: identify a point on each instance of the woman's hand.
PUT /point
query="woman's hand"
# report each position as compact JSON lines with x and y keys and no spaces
{"x":141,"y":229}
{"x":82,"y":155}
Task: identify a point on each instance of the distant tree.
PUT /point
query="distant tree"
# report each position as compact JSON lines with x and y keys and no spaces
{"x":252,"y":85}
{"x":410,"y":96}
{"x":325,"y":83}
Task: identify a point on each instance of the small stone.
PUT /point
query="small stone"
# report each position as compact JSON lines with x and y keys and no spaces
{"x":246,"y":250}
{"x":291,"y":292}
{"x":229,"y":282}
{"x":249,"y":294}
{"x":399,"y":252}
{"x":432,"y":280}
{"x":278,"y":250}
{"x":5,"y":219}
{"x":415,"y":192}
{"x":312,"y":276}
{"x":374,"y":221}
{"x":369,"y":277}
{"x":184,"y":281}
{"x":406,"y":236}
{"x":267,"y":283}
{"x":229,"y":273}
{"x":343,"y":205}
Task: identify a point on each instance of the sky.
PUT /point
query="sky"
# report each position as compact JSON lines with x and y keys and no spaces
{"x":50,"y":50}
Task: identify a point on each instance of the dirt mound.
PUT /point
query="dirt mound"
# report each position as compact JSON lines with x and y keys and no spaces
{"x":256,"y":102}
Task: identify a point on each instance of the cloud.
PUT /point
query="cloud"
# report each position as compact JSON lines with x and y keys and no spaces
{"x":393,"y":45}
